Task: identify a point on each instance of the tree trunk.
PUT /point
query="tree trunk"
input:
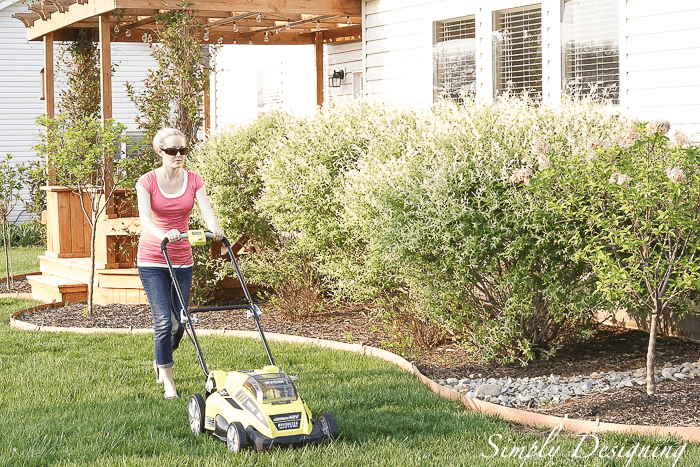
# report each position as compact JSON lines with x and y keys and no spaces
{"x":8,"y":261}
{"x":651,"y":351}
{"x":92,"y":266}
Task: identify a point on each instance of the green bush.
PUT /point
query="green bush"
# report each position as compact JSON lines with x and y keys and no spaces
{"x":229,"y":162}
{"x":451,"y":214}
{"x":304,"y":177}
{"x":31,"y":233}
{"x":294,"y":280}
{"x":439,"y":214}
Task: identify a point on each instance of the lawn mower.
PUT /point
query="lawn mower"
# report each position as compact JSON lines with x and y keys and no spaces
{"x":259,"y":408}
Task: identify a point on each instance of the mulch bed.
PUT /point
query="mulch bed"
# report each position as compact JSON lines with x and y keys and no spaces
{"x":675,"y":404}
{"x":19,"y":286}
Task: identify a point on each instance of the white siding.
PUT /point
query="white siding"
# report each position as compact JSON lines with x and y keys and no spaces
{"x":298,"y":86}
{"x":131,"y":64}
{"x":659,"y":53}
{"x":345,"y":56}
{"x":21,"y":88}
{"x":398,"y":39}
{"x":662,"y":41}
{"x":20,"y":91}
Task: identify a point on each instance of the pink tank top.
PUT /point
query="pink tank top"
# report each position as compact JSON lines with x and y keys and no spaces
{"x":169,"y":211}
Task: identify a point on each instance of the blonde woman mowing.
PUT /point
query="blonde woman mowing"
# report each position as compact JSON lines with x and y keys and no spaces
{"x":166,"y":197}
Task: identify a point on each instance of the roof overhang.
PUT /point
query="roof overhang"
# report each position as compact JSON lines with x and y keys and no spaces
{"x":256,"y":21}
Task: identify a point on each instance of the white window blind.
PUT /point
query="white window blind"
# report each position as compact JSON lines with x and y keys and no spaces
{"x":269,"y":88}
{"x":454,"y":59}
{"x":590,"y":47}
{"x":518,"y":50}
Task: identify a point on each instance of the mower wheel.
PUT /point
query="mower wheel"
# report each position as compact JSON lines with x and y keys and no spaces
{"x":236,"y":437}
{"x":195,"y":412}
{"x":328,"y":425}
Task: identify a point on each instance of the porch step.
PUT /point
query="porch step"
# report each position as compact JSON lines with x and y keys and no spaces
{"x":47,"y":287}
{"x":77,"y":269}
{"x":111,"y":285}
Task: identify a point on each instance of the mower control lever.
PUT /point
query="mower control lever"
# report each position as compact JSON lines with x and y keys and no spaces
{"x":186,"y":235}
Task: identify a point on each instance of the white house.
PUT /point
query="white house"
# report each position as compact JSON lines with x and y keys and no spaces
{"x":648,"y":51}
{"x":411,"y":52}
{"x":645,"y":53}
{"x":21,"y":64}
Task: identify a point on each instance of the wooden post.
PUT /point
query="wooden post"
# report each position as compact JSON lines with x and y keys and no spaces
{"x":48,"y":76}
{"x":106,"y":94}
{"x":106,"y":105}
{"x":105,"y":67}
{"x":49,"y":94}
{"x":318,"y":44}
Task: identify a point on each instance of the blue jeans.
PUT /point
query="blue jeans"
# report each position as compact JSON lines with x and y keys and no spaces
{"x":165,"y":307}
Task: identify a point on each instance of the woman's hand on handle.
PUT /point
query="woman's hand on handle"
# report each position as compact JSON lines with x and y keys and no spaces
{"x":172,"y":235}
{"x":218,"y":234}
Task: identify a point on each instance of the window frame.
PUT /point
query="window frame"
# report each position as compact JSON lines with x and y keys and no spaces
{"x":496,"y":66}
{"x":470,"y":85}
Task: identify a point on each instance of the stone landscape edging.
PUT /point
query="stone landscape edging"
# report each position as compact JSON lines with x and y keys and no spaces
{"x":506,"y":413}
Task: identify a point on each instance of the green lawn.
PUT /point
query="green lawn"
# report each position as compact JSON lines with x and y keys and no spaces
{"x":75,"y":400}
{"x":25,"y":259}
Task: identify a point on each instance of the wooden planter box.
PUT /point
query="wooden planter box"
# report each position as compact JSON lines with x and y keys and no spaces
{"x":67,"y":229}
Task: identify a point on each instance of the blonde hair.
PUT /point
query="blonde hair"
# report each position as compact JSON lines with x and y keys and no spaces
{"x":163,"y":133}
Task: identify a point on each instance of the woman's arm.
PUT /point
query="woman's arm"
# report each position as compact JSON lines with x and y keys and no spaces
{"x":208,"y":214}
{"x":144,"y":202}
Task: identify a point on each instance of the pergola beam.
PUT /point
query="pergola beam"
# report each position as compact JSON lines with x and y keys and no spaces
{"x":58,"y":15}
{"x":75,"y":13}
{"x":318,"y":48}
{"x":312,"y":7}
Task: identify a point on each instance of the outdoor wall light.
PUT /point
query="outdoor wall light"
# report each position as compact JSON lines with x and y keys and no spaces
{"x":336,"y":79}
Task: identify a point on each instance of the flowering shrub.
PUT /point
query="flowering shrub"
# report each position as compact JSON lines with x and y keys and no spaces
{"x":304,"y":178}
{"x":482,"y":219}
{"x":451,"y":215}
{"x":638,"y":202}
{"x":230,"y":162}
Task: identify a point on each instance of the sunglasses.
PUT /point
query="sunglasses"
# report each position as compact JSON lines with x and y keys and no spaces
{"x":174,"y":151}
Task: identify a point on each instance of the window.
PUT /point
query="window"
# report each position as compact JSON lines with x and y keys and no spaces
{"x":590,"y":47}
{"x":454,"y":59}
{"x":517,"y":50}
{"x":357,"y":85}
{"x":268,"y":88}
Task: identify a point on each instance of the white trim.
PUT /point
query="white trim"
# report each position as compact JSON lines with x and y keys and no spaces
{"x":363,"y":50}
{"x":622,"y":50}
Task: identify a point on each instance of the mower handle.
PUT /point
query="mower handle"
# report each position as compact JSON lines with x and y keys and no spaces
{"x":253,"y":309}
{"x":183,"y":236}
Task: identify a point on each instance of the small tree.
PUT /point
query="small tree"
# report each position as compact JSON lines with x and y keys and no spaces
{"x":34,"y":177}
{"x":640,"y":202}
{"x":10,"y":186}
{"x":83,"y":156}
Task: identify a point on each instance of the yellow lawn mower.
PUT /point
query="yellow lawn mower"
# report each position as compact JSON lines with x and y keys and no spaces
{"x":259,"y":408}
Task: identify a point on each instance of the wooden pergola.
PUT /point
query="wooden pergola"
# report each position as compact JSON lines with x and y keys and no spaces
{"x":228,"y":22}
{"x":241,"y":22}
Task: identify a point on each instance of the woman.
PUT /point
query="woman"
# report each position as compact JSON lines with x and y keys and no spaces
{"x":165,"y":198}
